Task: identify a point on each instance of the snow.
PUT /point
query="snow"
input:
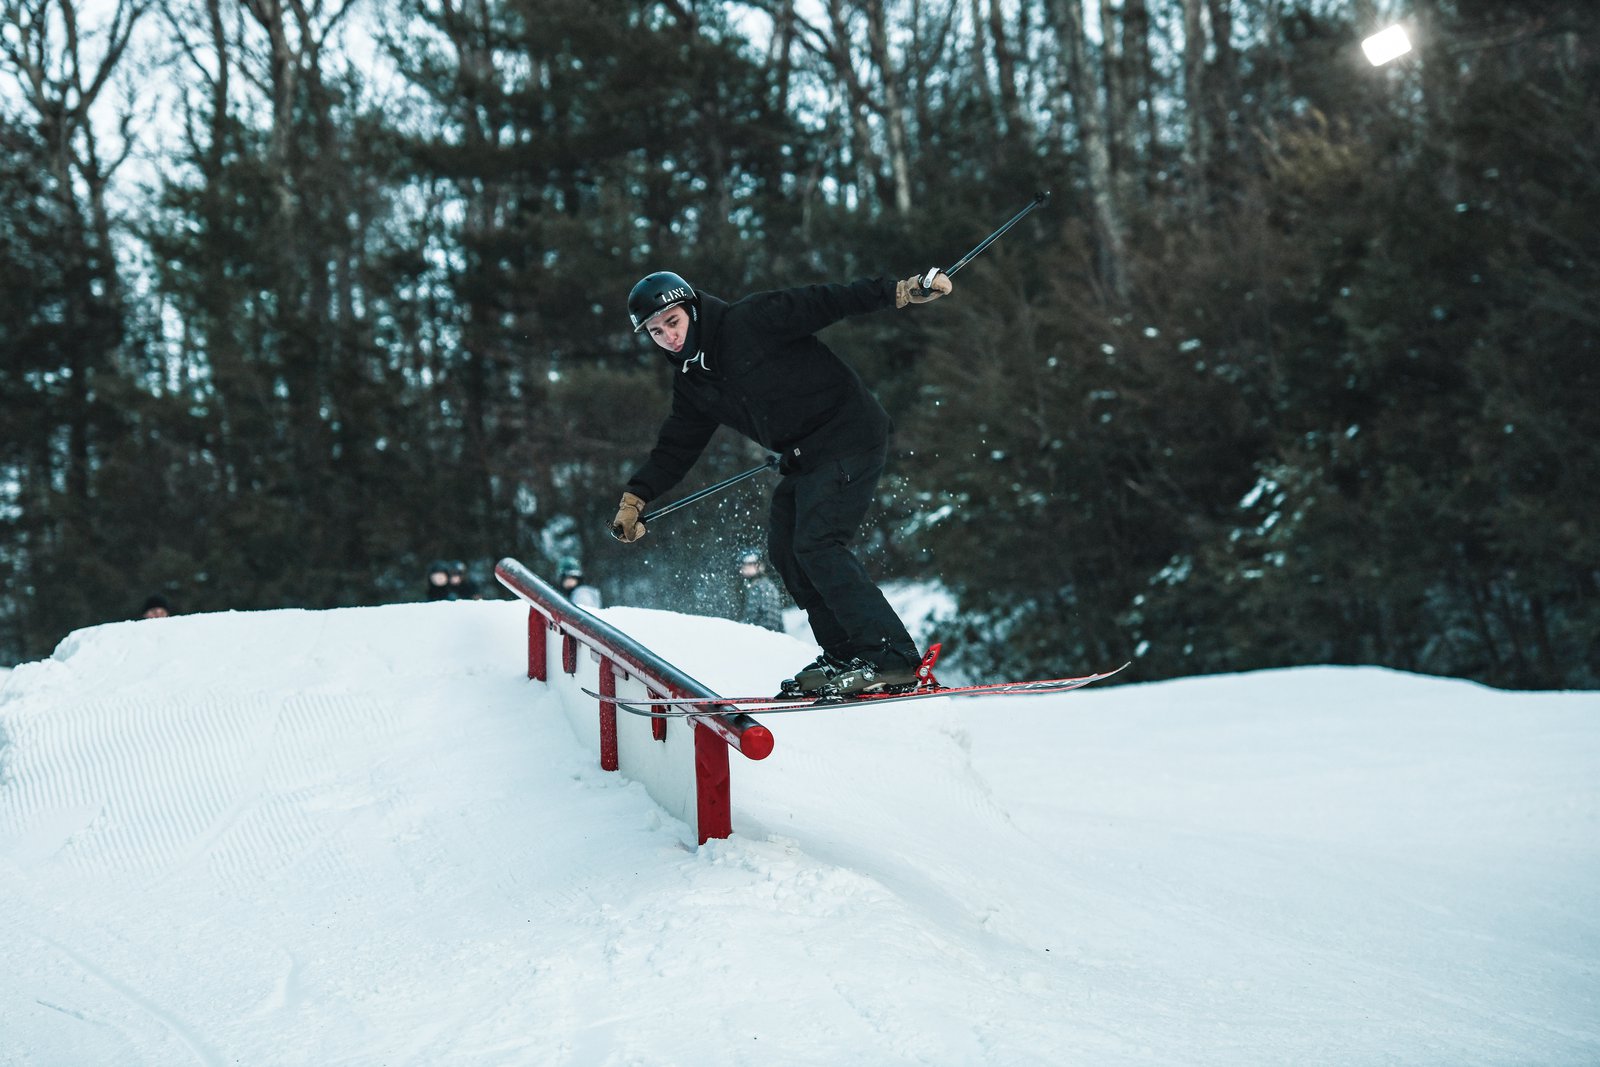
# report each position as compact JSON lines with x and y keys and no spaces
{"x":363,"y":837}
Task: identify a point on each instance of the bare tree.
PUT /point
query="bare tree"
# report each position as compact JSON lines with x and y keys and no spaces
{"x":283,"y":57}
{"x":61,"y":66}
{"x":874,"y":67}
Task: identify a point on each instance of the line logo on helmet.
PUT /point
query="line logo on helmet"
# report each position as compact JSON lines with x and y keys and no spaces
{"x":672,"y":296}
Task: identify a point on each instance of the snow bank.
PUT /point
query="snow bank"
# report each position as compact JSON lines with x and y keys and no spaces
{"x":363,"y":837}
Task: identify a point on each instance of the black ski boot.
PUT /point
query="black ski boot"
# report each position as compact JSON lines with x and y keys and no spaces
{"x":811,"y":676}
{"x":881,"y":670}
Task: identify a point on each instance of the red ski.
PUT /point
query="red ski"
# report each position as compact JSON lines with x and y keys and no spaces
{"x":927,"y":686}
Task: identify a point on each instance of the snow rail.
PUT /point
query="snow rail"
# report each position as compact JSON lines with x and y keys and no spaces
{"x":620,"y":657}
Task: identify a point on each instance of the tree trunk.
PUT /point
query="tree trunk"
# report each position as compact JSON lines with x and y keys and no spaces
{"x":862,"y":157}
{"x":779,"y":56}
{"x":1006,"y":69}
{"x":1225,"y":93}
{"x":892,"y":109}
{"x":1438,"y":96}
{"x":1116,"y":79}
{"x":1194,"y":100}
{"x":1105,"y":209}
{"x":980,"y":65}
{"x":1140,"y":88}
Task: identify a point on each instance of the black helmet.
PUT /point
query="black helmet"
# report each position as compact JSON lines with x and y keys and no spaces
{"x":654,"y":293}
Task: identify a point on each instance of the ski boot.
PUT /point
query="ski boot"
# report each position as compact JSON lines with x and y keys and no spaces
{"x":881,"y":670}
{"x":811,"y":676}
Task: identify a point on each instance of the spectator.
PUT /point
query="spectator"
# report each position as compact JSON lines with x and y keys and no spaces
{"x":569,"y":579}
{"x":757,"y":599}
{"x":461,"y":584}
{"x":156,"y":607}
{"x":439,"y":581}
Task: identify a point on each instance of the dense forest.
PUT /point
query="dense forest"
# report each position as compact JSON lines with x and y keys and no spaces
{"x":1299,"y":365}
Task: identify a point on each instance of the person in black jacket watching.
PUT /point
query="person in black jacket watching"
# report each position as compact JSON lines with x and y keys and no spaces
{"x":756,"y":599}
{"x":756,"y":366}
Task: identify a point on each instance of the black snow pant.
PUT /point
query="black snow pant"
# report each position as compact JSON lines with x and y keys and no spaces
{"x":815,"y":516}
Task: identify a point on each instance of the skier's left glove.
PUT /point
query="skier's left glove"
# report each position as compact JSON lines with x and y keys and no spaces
{"x":911,"y":291}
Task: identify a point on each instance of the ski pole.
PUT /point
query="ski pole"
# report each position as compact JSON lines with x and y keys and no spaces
{"x":1037,"y":201}
{"x":770,"y":464}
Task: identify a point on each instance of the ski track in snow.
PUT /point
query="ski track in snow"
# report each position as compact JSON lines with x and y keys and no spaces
{"x":360,"y":837}
{"x":176,"y":1027}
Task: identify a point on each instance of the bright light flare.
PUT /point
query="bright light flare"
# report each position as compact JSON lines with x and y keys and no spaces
{"x":1391,"y":43}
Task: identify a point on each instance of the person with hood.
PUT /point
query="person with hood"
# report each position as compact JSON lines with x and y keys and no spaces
{"x":438,"y":586}
{"x":757,"y":599}
{"x":569,"y":580}
{"x":462,"y":587}
{"x":756,"y":365}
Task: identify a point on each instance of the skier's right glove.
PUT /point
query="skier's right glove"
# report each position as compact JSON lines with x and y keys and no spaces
{"x":626,"y":527}
{"x":911,"y":291}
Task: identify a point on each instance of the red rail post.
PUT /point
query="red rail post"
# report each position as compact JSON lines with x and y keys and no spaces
{"x":538,"y":665}
{"x":608,"y":716}
{"x":713,"y":806}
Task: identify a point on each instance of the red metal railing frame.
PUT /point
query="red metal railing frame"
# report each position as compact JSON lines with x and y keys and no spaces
{"x":551,"y":613}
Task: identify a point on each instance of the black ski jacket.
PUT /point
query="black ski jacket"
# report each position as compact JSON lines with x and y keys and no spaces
{"x":761,"y":371}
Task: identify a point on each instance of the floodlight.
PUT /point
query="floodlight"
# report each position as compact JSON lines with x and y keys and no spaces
{"x":1391,"y":43}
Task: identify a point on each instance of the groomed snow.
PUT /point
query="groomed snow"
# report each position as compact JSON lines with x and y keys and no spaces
{"x":362,"y":837}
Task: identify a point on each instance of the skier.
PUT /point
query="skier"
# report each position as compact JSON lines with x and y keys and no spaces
{"x":756,"y":366}
{"x":756,"y":598}
{"x":570,"y":581}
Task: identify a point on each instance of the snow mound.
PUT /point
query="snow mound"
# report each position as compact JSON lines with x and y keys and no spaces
{"x":362,"y":836}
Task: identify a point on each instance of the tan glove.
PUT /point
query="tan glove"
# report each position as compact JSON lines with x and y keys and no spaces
{"x":626,"y":527}
{"x":911,"y":291}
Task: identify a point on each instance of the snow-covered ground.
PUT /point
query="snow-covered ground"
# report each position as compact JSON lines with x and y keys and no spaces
{"x":362,"y":837}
